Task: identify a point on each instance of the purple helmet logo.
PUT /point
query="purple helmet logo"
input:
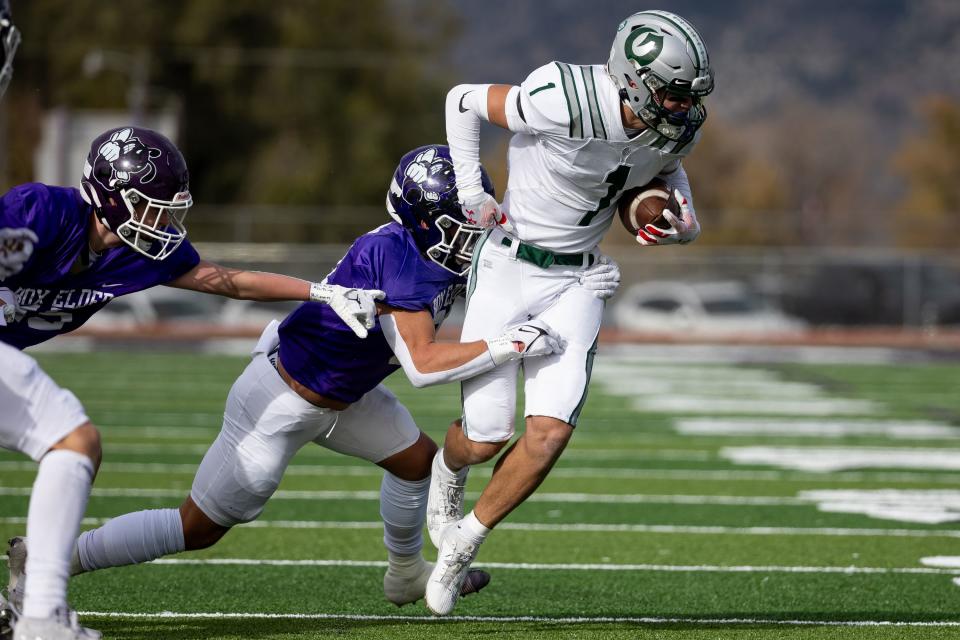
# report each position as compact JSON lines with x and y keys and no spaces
{"x":423,"y":198}
{"x":127,"y":156}
{"x":138,"y":183}
{"x":427,"y":179}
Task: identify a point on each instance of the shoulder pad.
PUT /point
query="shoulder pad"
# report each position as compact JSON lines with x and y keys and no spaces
{"x":545,"y":98}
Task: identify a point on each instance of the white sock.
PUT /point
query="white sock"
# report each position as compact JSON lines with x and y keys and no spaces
{"x":475,"y":530}
{"x":131,"y":539}
{"x":403,"y":508}
{"x":57,"y":503}
{"x":445,"y":470}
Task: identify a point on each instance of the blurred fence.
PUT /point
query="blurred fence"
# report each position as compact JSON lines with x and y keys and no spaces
{"x":820,"y":288}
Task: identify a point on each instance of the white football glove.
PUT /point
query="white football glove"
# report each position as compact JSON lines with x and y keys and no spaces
{"x":602,"y":279}
{"x":682,"y":230}
{"x":8,"y":306}
{"x":356,"y":307}
{"x":526,"y":340}
{"x":481,"y":209}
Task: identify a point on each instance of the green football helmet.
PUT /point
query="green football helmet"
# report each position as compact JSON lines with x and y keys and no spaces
{"x":658,"y":52}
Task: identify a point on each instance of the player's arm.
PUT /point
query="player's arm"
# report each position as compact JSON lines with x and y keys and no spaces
{"x":208,"y":277}
{"x":534,"y":107}
{"x":356,"y":307}
{"x":412,"y":337}
{"x":467,"y":105}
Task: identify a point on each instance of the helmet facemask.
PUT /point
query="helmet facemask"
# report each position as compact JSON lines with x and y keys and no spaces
{"x":679,"y":126}
{"x":655,"y":54}
{"x":155,"y":228}
{"x":454,"y":252}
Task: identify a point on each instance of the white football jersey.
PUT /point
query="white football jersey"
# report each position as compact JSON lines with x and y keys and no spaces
{"x":567,"y":173}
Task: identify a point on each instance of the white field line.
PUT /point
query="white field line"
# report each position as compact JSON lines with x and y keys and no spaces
{"x":570,"y":566}
{"x":952,"y":562}
{"x":723,"y":390}
{"x":928,"y":506}
{"x":717,"y":405}
{"x":372,"y":471}
{"x":605,"y":498}
{"x":511,"y":619}
{"x":688,"y":455}
{"x":839,"y":458}
{"x":191,"y":469}
{"x":896,"y":429}
{"x":627,"y":386}
{"x":698,"y":455}
{"x":160,"y":433}
{"x":738,"y":354}
{"x":612,"y":368}
{"x":594,"y":528}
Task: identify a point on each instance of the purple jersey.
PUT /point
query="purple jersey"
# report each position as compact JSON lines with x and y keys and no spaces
{"x":52,"y":295}
{"x":323,"y":354}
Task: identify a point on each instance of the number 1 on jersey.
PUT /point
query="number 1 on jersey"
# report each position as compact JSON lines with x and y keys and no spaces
{"x":616,"y":179}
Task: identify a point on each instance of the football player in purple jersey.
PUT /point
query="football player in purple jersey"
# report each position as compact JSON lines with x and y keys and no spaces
{"x":64,"y":254}
{"x":30,"y":402}
{"x":310,"y":380}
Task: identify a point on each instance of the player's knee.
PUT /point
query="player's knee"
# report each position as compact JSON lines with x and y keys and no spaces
{"x":484,"y":436}
{"x":547,"y":437}
{"x":413,"y":463}
{"x":85,"y":440}
{"x":199,"y":531}
{"x":479,"y":452}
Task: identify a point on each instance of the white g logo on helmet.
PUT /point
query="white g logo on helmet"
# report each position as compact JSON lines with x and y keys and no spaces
{"x":656,"y":52}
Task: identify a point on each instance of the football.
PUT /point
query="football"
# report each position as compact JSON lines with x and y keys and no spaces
{"x":644,"y":205}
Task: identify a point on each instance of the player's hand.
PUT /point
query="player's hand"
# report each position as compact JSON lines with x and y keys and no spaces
{"x":16,"y":247}
{"x":602,"y":279}
{"x":526,"y":340}
{"x":8,"y":306}
{"x":356,"y":307}
{"x":682,"y":230}
{"x":482,"y":210}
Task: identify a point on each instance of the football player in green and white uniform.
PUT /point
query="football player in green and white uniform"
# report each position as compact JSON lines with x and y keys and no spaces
{"x":583,"y":135}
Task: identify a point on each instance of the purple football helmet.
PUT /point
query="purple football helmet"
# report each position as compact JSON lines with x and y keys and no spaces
{"x":9,"y":39}
{"x":138,"y":184}
{"x":423,"y":198}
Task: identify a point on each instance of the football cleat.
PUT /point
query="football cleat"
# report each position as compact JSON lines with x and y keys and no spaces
{"x":63,"y":625}
{"x":445,"y":500}
{"x":405,"y":585}
{"x":445,"y":585}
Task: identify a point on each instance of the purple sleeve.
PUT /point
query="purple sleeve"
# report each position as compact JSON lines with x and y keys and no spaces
{"x":182,"y":260}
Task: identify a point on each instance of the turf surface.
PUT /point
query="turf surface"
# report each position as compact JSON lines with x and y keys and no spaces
{"x":640,"y":532}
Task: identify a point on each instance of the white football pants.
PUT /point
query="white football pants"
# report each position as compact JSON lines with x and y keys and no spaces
{"x":504,"y":291}
{"x":35,"y":413}
{"x":265,"y":423}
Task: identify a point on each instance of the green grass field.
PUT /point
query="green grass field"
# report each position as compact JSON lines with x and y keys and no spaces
{"x":656,"y":523}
